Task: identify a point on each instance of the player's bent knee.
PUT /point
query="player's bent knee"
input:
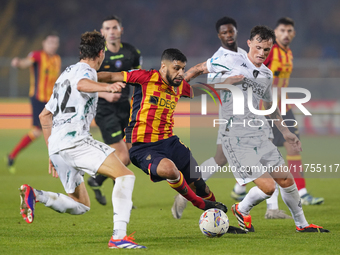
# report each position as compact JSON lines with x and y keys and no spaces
{"x":167,"y":169}
{"x":284,"y":183}
{"x":112,"y":167}
{"x":36,"y":131}
{"x":126,"y":160}
{"x":221,"y":161}
{"x":268,"y":190}
{"x":268,"y":187}
{"x":123,"y":157}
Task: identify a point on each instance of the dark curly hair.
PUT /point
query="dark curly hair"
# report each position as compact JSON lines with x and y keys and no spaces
{"x":225,"y":21}
{"x":285,"y":21}
{"x":173,"y":54}
{"x":91,"y":43}
{"x":265,"y":33}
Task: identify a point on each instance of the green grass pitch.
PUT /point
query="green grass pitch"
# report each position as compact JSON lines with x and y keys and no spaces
{"x":54,"y":233}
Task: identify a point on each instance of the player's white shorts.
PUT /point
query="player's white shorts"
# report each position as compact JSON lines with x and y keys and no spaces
{"x":267,"y":129}
{"x":251,"y":157}
{"x":87,"y":156}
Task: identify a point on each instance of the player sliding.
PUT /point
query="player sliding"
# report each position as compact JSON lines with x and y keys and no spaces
{"x":246,"y":148}
{"x":66,"y":121}
{"x":155,"y":149}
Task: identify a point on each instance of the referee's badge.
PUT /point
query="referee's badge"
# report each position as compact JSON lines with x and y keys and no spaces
{"x":118,"y":64}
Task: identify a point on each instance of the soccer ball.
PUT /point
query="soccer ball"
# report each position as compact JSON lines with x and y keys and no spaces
{"x":214,"y":223}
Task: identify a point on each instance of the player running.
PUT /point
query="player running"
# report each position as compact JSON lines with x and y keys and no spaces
{"x":226,"y":28}
{"x":280,"y":61}
{"x":44,"y":70}
{"x":248,"y":149}
{"x":66,"y":121}
{"x":155,"y":149}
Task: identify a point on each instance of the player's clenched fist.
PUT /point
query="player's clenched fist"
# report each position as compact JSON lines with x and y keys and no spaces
{"x":116,"y":87}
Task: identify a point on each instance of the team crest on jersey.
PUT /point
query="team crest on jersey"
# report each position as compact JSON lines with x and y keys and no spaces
{"x":163,"y":87}
{"x":118,"y":64}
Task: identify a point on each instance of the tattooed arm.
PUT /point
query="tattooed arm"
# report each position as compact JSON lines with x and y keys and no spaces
{"x":278,"y":120}
{"x":195,"y":71}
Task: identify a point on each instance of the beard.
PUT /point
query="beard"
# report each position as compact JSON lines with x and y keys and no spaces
{"x":171,"y":81}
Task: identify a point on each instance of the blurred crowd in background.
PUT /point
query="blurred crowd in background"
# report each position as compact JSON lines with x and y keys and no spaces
{"x":189,"y":25}
{"x":153,"y":25}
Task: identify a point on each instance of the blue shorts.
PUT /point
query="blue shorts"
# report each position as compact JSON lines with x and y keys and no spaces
{"x":37,"y":107}
{"x":278,"y":137}
{"x":147,"y":156}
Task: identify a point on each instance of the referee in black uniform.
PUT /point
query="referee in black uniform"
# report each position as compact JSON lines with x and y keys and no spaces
{"x":113,"y":110}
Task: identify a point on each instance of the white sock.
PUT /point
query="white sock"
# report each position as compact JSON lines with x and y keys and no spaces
{"x":254,"y":197}
{"x":239,"y":189}
{"x":272,"y":202}
{"x":122,"y":204}
{"x":119,"y":230}
{"x":206,"y":167}
{"x":174,"y":180}
{"x":60,"y":202}
{"x":302,"y":192}
{"x":290,"y":196}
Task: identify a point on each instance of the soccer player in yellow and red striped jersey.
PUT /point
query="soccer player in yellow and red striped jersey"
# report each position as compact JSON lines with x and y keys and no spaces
{"x":280,"y":61}
{"x":153,"y":105}
{"x":155,"y":149}
{"x":45,"y":67}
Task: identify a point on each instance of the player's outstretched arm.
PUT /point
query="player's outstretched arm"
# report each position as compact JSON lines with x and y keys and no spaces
{"x":291,"y":138}
{"x":21,"y":63}
{"x":232,"y":80}
{"x":110,"y":97}
{"x":89,"y":86}
{"x":195,"y":71}
{"x":110,"y":76}
{"x":200,"y":89}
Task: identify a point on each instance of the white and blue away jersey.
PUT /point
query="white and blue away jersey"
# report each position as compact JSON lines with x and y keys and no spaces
{"x":73,"y":111}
